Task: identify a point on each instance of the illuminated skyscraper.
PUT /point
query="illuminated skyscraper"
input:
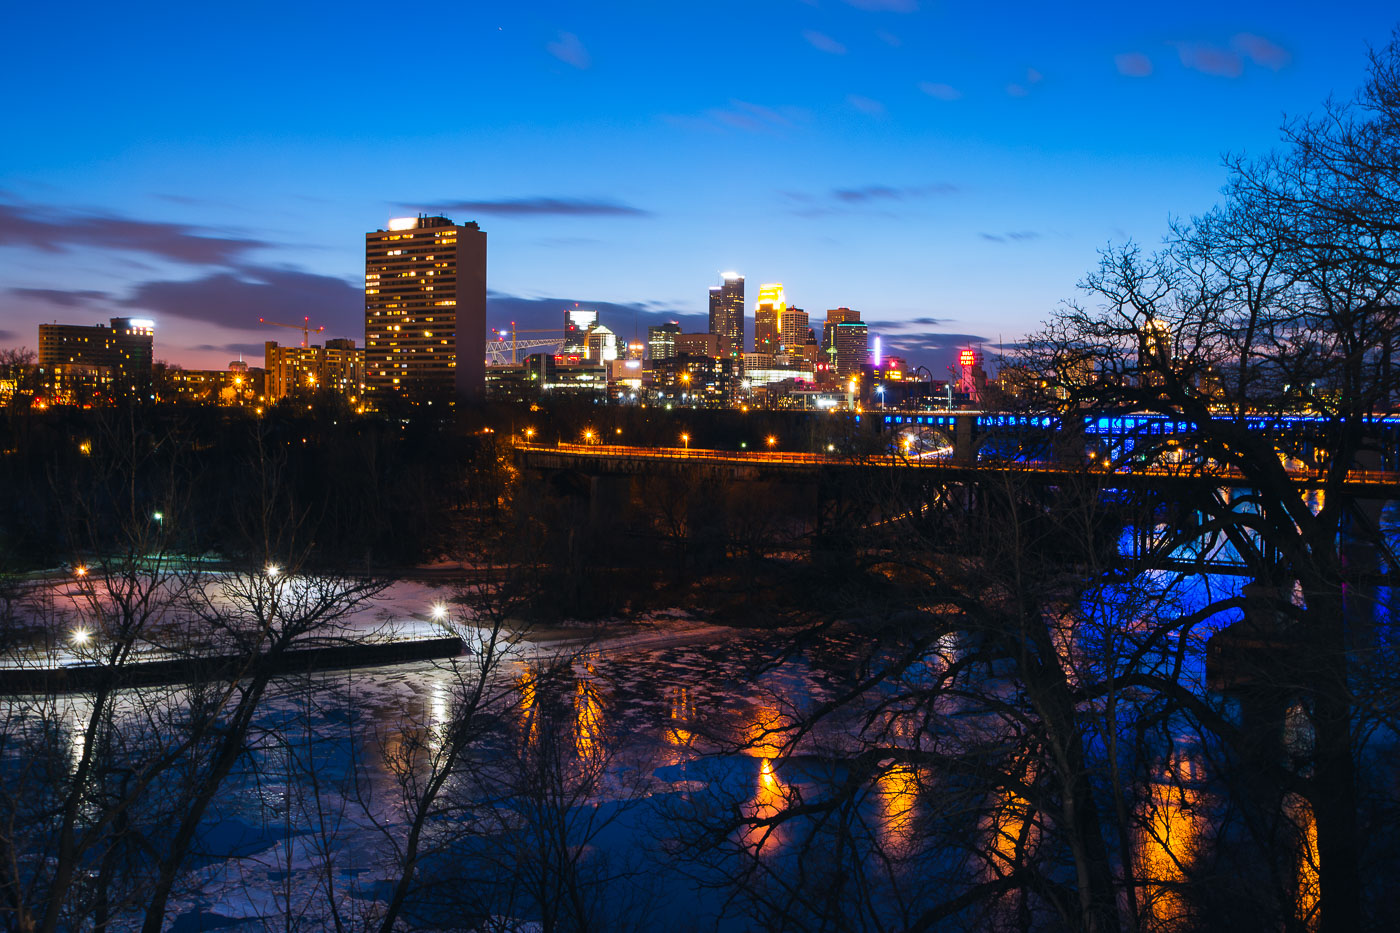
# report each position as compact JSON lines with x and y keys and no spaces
{"x":425,"y":310}
{"x":577,"y":323}
{"x":833,"y":317}
{"x":767,"y":319}
{"x":661,"y":340}
{"x":852,"y":349}
{"x":727,"y":311}
{"x":792,"y":332}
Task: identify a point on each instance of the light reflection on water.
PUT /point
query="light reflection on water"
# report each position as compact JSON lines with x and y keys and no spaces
{"x":898,"y":792}
{"x":770,"y":796}
{"x":1309,"y":884}
{"x":1172,"y":825}
{"x":588,"y":718}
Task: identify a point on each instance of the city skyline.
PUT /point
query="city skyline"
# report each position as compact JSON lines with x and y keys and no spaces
{"x":889,"y":156}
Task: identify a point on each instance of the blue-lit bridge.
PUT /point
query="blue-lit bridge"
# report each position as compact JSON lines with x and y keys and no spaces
{"x":969,"y":436}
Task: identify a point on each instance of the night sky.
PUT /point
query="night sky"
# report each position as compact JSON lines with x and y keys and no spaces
{"x":947,"y":169}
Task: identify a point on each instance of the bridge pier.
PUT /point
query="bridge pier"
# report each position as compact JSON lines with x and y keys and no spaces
{"x":609,"y":498}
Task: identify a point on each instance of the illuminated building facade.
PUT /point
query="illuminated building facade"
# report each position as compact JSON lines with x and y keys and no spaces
{"x":972,"y":378}
{"x":1155,"y":354}
{"x":851,"y":342}
{"x":696,"y":381}
{"x":600,"y":345}
{"x":236,"y":386}
{"x":425,"y":310}
{"x":702,"y":345}
{"x":80,"y":363}
{"x":767,"y":319}
{"x":338,"y":367}
{"x":727,"y":312}
{"x":578,"y":322}
{"x":792,"y":333}
{"x":834,"y":317}
{"x":661,"y":340}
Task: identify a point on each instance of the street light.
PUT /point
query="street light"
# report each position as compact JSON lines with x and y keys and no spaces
{"x":273,"y":570}
{"x":80,"y":570}
{"x":772,"y":442}
{"x":439,"y":612}
{"x":158,"y":516}
{"x":589,"y":435}
{"x":529,"y":434}
{"x":80,"y":637}
{"x":685,"y":439}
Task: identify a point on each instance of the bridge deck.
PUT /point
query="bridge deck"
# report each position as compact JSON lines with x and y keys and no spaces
{"x":1369,"y":483}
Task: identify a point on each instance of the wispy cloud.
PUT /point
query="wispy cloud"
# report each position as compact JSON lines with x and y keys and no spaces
{"x":237,"y":298}
{"x":569,"y":50}
{"x":940,"y":91}
{"x":1229,"y":62}
{"x":866,"y":105}
{"x":1023,"y":87}
{"x":876,"y":197}
{"x":1133,"y":64}
{"x":53,"y":229}
{"x":244,"y":349}
{"x":868,"y":193}
{"x":547,"y":313}
{"x":1014,"y":236}
{"x":889,"y":38}
{"x":544,"y":207}
{"x":822,"y":42}
{"x":63,"y":298}
{"x":743,"y":116}
{"x":1261,"y":51}
{"x":1210,"y":59}
{"x":917,"y":324}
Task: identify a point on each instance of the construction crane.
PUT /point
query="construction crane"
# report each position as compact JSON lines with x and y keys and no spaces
{"x":498,"y":355}
{"x":305,"y":327}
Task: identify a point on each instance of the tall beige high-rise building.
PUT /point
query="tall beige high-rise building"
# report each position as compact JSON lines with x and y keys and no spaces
{"x":425,"y":310}
{"x":767,"y":318}
{"x":792,"y":332}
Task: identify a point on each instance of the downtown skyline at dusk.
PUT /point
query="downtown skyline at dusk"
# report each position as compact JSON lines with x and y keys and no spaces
{"x":948,"y":173}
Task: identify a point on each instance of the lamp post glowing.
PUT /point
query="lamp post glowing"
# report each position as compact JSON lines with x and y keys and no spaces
{"x":685,"y":439}
{"x":80,"y":571}
{"x":272,"y":571}
{"x":80,"y":637}
{"x":439,"y":612}
{"x":772,"y":442}
{"x":589,"y":435}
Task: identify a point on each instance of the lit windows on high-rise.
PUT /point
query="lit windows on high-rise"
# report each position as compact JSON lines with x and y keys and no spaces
{"x":727,"y":311}
{"x":852,"y":348}
{"x":425,"y":310}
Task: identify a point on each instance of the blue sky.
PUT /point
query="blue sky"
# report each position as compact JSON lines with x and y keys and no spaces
{"x":948,"y":169}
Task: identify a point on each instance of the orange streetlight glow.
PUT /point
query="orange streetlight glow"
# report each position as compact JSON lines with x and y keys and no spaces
{"x":772,"y":442}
